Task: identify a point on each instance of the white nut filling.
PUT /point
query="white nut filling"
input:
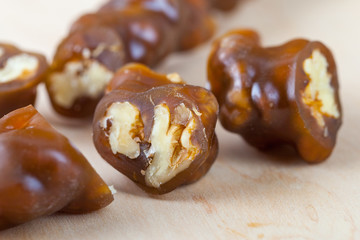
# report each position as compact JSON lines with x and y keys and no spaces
{"x":126,"y":129}
{"x":171,"y":145}
{"x":21,"y":66}
{"x":79,"y":79}
{"x":171,"y":149}
{"x":319,"y":95}
{"x":103,"y":46}
{"x":182,"y":114}
{"x":174,"y":78}
{"x":86,"y":53}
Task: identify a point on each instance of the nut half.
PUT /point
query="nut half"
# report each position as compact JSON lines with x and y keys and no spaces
{"x":319,"y":95}
{"x":85,"y":78}
{"x":125,"y":129}
{"x":79,"y":79}
{"x":175,"y":78}
{"x":171,"y":147}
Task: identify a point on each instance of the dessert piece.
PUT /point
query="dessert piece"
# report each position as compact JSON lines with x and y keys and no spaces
{"x":20,"y":74}
{"x":155,"y":129}
{"x":41,"y":172}
{"x":287,"y":94}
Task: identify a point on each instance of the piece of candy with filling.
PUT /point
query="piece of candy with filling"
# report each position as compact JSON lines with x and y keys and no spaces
{"x":155,"y":129}
{"x":287,"y":94}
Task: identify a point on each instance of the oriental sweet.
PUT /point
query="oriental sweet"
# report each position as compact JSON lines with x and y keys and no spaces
{"x":41,"y":172}
{"x":155,"y":129}
{"x":120,"y":32}
{"x":287,"y":94}
{"x":20,"y":74}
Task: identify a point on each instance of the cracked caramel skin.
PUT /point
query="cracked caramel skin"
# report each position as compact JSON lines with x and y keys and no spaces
{"x":261,"y":93}
{"x":145,"y":89}
{"x":145,"y":31}
{"x":42,"y":172}
{"x":20,"y":92}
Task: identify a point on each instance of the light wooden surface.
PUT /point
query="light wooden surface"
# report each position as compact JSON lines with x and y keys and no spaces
{"x":247,"y":194}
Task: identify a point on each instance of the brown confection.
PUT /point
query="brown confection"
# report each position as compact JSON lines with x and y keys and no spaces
{"x":42,"y":173}
{"x":143,"y":31}
{"x":155,"y":129}
{"x":224,"y":5}
{"x":84,"y":62}
{"x":20,"y":74}
{"x":279,"y":95}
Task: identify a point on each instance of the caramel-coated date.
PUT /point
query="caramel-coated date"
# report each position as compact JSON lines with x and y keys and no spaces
{"x":121,"y":31}
{"x":84,"y":63}
{"x":20,"y":74}
{"x":41,"y":172}
{"x":279,"y":95}
{"x":155,"y":129}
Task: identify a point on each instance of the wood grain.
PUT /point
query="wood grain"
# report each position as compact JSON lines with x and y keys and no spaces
{"x":247,"y":194}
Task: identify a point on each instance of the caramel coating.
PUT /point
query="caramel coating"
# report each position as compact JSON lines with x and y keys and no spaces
{"x":151,"y":98}
{"x":120,"y":32}
{"x":279,"y":95}
{"x":18,"y":86}
{"x":186,"y":22}
{"x":41,"y":172}
{"x":224,"y":5}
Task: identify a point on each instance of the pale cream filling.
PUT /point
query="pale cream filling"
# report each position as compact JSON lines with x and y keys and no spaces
{"x":319,"y":95}
{"x":125,"y":122}
{"x":20,"y":66}
{"x":174,"y":78}
{"x":165,"y":138}
{"x":171,"y":150}
{"x":79,"y":79}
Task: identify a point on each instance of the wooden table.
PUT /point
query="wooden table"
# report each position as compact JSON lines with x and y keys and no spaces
{"x":247,"y":194}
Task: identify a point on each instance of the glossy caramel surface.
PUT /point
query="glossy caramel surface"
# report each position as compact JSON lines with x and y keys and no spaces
{"x":247,"y":194}
{"x":42,"y":172}
{"x":145,"y":31}
{"x":158,"y":88}
{"x":260,"y":93}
